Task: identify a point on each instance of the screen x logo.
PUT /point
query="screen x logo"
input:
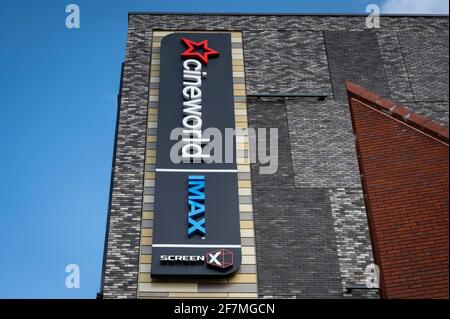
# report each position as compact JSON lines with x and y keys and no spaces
{"x":213,"y":259}
{"x":221,"y":259}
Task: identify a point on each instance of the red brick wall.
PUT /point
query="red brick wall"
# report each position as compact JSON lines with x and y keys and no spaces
{"x":405,"y":175}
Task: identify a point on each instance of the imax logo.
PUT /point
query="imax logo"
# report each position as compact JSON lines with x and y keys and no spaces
{"x":196,"y":204}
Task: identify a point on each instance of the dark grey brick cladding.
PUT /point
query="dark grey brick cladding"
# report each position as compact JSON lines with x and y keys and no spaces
{"x":426,"y":59}
{"x":322,"y":144}
{"x":324,"y":158}
{"x":395,"y":68}
{"x":413,"y":52}
{"x":295,"y":242}
{"x":306,"y":70}
{"x":355,"y":56}
{"x":120,"y":273}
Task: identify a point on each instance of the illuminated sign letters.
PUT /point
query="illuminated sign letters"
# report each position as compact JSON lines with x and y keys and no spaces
{"x":196,"y":204}
{"x":192,"y":110}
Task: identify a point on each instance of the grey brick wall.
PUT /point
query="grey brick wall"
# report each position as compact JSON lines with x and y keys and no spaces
{"x":351,"y":232}
{"x":426,"y":60}
{"x":416,"y":66}
{"x":394,"y":66}
{"x":306,"y":70}
{"x":121,"y":259}
{"x":322,"y":144}
{"x":406,"y":60}
{"x":296,"y":249}
{"x":355,"y":56}
{"x":324,"y":158}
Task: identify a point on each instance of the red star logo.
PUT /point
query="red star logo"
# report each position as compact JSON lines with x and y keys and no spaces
{"x":191,"y":46}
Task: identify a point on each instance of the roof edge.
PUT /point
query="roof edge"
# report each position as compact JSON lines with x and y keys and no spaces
{"x":290,"y":14}
{"x":399,"y":112}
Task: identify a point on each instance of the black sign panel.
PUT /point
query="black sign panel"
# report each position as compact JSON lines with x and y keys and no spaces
{"x":196,"y":229}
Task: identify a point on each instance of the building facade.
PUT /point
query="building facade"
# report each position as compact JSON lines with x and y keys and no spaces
{"x":313,"y":228}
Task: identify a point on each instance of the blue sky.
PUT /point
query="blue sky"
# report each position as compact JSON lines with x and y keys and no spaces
{"x":57,"y":120}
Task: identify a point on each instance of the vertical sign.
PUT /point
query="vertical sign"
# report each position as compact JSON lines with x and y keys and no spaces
{"x":196,"y":229}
